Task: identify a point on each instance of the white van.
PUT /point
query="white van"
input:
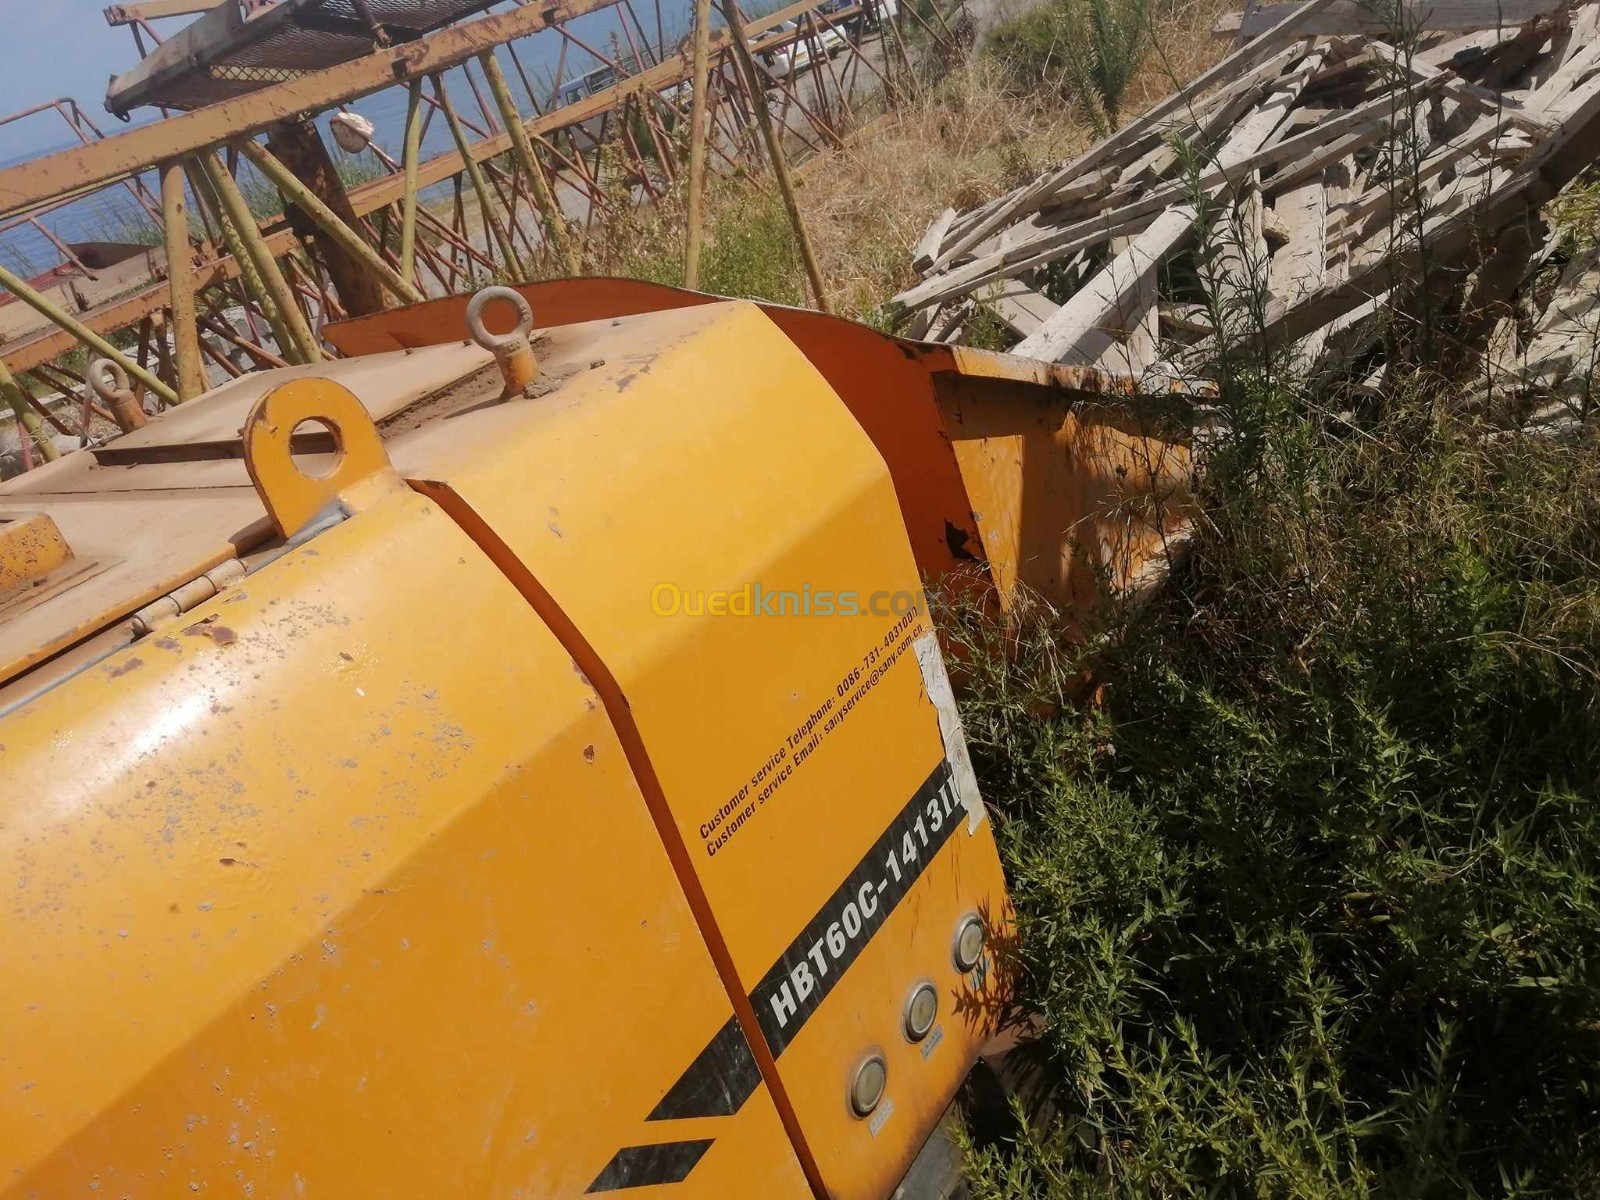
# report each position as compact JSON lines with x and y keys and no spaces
{"x":795,"y":55}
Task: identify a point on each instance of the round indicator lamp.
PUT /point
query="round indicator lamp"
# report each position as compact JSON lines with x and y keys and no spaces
{"x":922,"y":1009}
{"x":968,"y":946}
{"x":866,"y":1087}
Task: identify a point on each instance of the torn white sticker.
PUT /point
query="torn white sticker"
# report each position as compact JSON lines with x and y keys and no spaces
{"x":937,"y":682}
{"x":881,"y":1117}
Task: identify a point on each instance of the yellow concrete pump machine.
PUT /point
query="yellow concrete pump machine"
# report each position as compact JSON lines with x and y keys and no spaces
{"x":523,"y":766}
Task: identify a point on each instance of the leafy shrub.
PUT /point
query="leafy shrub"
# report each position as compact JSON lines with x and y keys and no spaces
{"x":1310,"y":901}
{"x":1088,"y":50}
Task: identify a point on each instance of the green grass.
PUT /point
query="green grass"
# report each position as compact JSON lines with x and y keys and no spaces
{"x":1310,"y":899}
{"x":749,"y":250}
{"x":1086,"y":50}
{"x":1308,"y":872}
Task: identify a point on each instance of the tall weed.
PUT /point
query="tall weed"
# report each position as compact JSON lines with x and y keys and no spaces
{"x":1088,"y":50}
{"x":1309,"y":900}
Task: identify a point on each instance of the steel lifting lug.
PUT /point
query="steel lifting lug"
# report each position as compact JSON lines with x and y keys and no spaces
{"x":298,"y":493}
{"x":110,"y":382}
{"x":513,"y":351}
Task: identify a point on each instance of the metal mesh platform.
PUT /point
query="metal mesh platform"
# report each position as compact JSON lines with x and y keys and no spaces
{"x":225,"y":54}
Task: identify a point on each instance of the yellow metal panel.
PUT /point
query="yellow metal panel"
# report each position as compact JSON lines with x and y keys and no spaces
{"x":30,"y":548}
{"x":343,"y":889}
{"x":1070,"y":455}
{"x":181,"y":536}
{"x":1069,"y":495}
{"x":787,"y":748}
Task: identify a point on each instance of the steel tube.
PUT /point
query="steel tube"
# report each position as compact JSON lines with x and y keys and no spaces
{"x":412,"y":156}
{"x":58,"y":316}
{"x":311,"y":204}
{"x":555,"y":231}
{"x":295,"y":335}
{"x":180,"y":281}
{"x":26,"y":417}
{"x":475,"y":175}
{"x":780,"y":164}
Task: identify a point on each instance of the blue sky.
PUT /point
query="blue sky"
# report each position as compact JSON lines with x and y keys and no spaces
{"x":57,"y":48}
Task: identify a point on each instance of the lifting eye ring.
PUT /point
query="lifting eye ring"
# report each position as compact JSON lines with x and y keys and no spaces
{"x":108,"y":377}
{"x":512,"y":351}
{"x":499,"y":342}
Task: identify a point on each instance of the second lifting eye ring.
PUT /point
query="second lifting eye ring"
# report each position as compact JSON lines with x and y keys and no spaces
{"x":495,"y":342}
{"x":512,"y":351}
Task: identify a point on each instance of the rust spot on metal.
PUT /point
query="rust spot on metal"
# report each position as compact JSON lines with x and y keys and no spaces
{"x":165,"y":643}
{"x":588,"y":754}
{"x":220,"y":634}
{"x":133,"y":664}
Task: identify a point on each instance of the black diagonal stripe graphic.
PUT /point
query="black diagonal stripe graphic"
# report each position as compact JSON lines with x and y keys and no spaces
{"x":817,"y":959}
{"x":718,"y":1082}
{"x":724,"y":1075}
{"x":644,"y":1166}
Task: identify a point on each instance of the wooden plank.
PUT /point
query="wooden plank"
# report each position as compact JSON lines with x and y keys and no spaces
{"x":1138,"y":325}
{"x":1367,"y":121}
{"x":1239,"y":259}
{"x":1353,"y":16}
{"x":1113,"y":289}
{"x":1020,"y":307}
{"x":1133,"y":269}
{"x":1480,"y":99}
{"x":1379,"y":200}
{"x":1445,"y":235}
{"x":1561,"y":356}
{"x":1160,"y":161}
{"x":1089,"y":184}
{"x":1476,"y":42}
{"x":1298,"y":267}
{"x":927,"y":249}
{"x":1234,"y":65}
{"x":1579,"y":34}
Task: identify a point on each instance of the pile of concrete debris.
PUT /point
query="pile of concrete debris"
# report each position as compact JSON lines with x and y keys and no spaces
{"x":1331,"y":186}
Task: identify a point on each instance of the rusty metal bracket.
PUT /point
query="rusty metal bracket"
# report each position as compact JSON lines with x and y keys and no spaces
{"x":294,"y":491}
